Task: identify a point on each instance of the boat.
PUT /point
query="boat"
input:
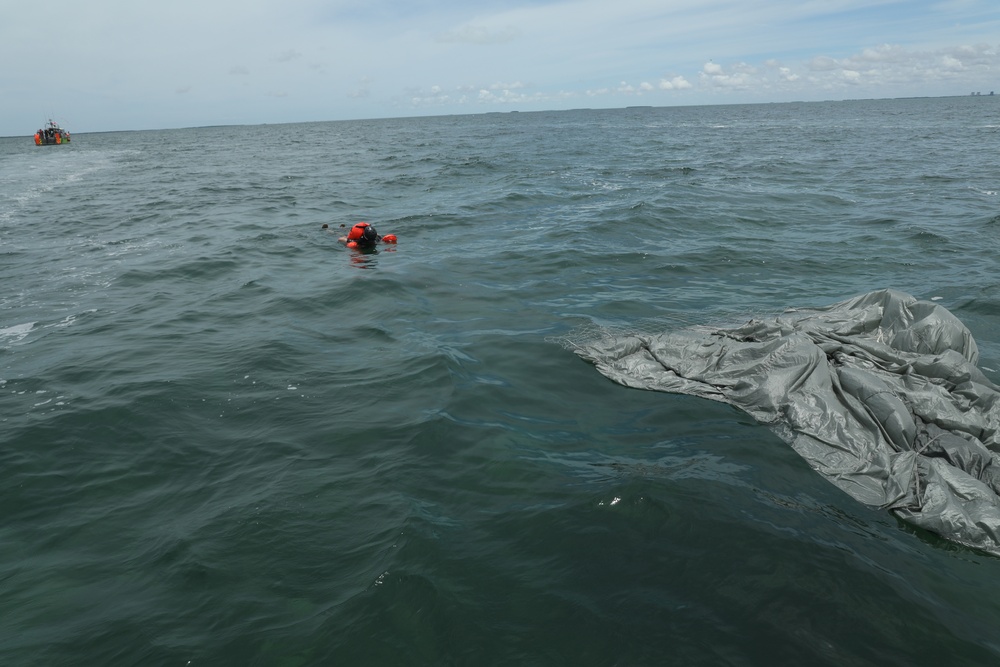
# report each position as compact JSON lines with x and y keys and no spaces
{"x":51,"y":134}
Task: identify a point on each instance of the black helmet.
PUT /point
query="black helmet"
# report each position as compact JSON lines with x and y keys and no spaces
{"x":368,"y":236}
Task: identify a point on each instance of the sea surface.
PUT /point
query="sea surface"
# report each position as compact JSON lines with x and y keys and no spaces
{"x":226,"y":439}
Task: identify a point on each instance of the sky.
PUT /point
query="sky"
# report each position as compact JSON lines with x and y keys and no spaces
{"x":133,"y":64}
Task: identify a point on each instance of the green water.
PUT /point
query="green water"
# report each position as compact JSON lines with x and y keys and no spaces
{"x":228,"y":440}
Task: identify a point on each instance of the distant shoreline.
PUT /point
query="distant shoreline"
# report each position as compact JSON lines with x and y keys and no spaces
{"x":647,"y":107}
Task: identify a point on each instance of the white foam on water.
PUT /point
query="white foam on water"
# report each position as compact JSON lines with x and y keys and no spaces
{"x":16,"y":333}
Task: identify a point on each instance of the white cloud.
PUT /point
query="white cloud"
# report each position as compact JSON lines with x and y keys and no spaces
{"x":676,"y":83}
{"x":739,"y":75}
{"x":496,"y":93}
{"x":787,"y":74}
{"x":951,"y":62}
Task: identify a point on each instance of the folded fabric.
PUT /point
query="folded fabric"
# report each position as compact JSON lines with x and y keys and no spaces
{"x":880,"y":393}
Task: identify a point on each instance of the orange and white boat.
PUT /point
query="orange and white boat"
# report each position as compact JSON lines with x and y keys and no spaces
{"x":51,"y":135}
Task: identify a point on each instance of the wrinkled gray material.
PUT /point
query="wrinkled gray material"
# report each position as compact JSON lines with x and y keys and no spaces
{"x":881,"y":394}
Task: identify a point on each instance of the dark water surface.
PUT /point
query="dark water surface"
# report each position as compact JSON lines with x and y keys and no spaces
{"x":228,"y":440}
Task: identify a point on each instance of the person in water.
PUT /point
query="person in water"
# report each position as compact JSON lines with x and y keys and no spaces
{"x":364,"y":236}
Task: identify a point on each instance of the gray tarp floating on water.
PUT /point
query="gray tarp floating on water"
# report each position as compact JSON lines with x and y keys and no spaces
{"x":880,"y":393}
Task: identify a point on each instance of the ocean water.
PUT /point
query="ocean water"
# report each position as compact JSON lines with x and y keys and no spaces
{"x":228,"y":440}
